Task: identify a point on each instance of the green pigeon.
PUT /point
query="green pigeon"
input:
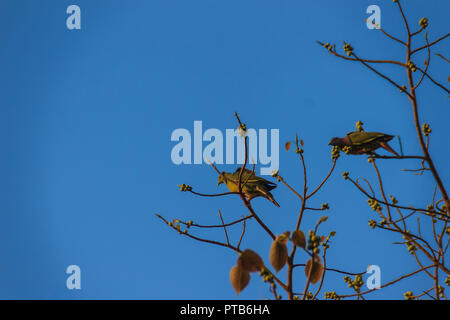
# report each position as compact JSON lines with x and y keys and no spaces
{"x":252,"y":185}
{"x":363,"y":142}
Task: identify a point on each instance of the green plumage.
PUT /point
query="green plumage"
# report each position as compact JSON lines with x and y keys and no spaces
{"x":252,"y":185}
{"x":368,"y":142}
{"x":361,"y":142}
{"x":361,"y":138}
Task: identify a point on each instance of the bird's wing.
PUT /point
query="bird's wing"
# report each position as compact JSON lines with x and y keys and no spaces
{"x":360,"y":138}
{"x":250,"y":177}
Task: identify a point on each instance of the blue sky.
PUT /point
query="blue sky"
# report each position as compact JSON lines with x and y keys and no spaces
{"x":86,"y":119}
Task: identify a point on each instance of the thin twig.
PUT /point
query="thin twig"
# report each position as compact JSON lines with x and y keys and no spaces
{"x":331,"y":269}
{"x":242,"y":234}
{"x":323,"y":181}
{"x":431,"y":44}
{"x":224,"y":227}
{"x":427,"y":64}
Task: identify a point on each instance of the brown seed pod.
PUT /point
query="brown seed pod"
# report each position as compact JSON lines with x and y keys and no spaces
{"x":298,"y":238}
{"x":250,"y":261}
{"x":239,"y":278}
{"x":278,"y":254}
{"x":317,"y":269}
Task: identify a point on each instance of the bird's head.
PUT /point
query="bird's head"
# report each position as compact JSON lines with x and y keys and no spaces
{"x":221,"y":179}
{"x":335,"y":142}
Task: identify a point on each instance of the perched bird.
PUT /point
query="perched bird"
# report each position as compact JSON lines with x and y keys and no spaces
{"x":363,"y":142}
{"x":252,"y":185}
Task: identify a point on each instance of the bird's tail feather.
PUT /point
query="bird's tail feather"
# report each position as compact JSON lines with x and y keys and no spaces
{"x":274,"y":202}
{"x":388,"y":148}
{"x":266,"y":194}
{"x":269,"y":197}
